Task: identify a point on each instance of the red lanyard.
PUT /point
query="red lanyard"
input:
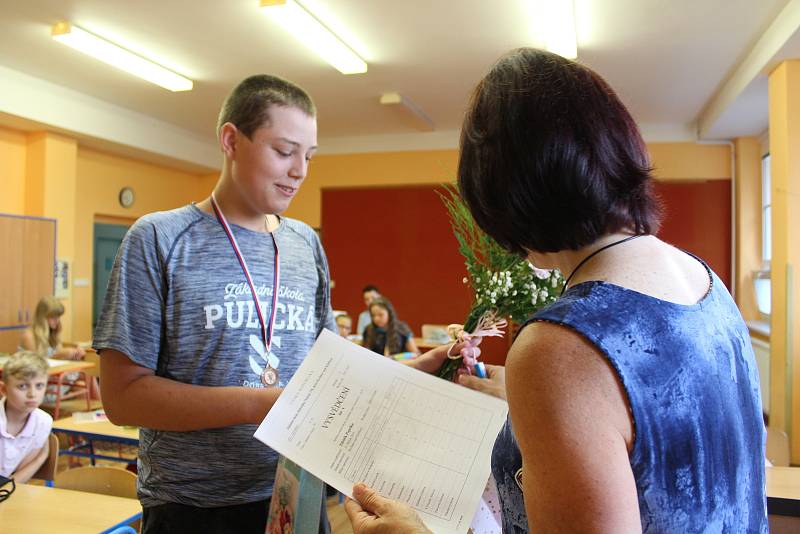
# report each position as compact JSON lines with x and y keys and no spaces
{"x":269,"y":376}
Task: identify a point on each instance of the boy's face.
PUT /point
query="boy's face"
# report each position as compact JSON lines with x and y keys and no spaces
{"x":345,"y":326}
{"x":369,"y":296}
{"x":24,"y":395}
{"x":270,"y":167}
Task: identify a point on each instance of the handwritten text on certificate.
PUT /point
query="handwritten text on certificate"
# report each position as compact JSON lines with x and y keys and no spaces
{"x":349,"y":415}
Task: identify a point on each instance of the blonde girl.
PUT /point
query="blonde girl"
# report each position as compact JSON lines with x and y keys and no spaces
{"x":44,"y":335}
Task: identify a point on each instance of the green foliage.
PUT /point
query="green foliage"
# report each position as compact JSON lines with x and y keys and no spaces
{"x":500,"y":280}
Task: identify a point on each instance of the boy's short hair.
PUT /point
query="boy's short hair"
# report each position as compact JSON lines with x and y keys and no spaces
{"x":370,"y":287}
{"x":25,"y":365}
{"x":345,"y":317}
{"x":247,"y":106}
{"x":550,"y":158}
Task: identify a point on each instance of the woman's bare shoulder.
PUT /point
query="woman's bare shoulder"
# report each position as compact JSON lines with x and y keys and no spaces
{"x":555,"y":368}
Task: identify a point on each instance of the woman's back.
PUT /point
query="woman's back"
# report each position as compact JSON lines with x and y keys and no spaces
{"x":691,"y":382}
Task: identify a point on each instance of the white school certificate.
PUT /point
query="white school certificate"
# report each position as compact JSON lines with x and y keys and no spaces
{"x":349,"y":415}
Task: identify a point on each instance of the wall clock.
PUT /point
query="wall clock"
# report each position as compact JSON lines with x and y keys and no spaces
{"x":126,"y":197}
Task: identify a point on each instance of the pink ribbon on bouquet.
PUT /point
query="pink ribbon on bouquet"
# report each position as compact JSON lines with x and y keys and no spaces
{"x":489,"y":325}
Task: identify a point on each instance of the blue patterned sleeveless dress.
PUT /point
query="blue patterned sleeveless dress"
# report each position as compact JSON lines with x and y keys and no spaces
{"x":692,"y":383}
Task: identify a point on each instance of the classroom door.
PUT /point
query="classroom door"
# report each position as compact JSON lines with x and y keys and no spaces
{"x":107,"y":238}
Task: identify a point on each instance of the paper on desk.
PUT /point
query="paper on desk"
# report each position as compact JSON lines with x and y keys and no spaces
{"x":349,"y":415}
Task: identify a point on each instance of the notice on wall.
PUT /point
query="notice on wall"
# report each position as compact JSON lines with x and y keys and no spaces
{"x":349,"y":415}
{"x":62,"y":275}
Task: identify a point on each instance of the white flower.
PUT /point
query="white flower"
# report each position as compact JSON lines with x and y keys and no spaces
{"x":543,"y":294}
{"x":541,"y":274}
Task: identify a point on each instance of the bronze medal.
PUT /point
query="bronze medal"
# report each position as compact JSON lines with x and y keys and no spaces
{"x":269,"y":376}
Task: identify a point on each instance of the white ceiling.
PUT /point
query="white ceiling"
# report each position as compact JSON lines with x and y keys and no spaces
{"x":670,"y":61}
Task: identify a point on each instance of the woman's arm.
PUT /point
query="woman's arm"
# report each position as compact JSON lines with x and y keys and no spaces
{"x":133,"y":395}
{"x":410,"y":345}
{"x":31,"y":463}
{"x":570,"y":418}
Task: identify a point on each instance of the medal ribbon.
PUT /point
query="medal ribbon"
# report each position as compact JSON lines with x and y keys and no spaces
{"x":266,"y":328}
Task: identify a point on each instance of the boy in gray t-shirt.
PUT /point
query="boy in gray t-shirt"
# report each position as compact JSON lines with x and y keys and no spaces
{"x":182,"y":343}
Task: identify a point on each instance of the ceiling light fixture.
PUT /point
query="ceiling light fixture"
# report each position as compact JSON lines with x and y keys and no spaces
{"x":118,"y":57}
{"x":312,"y":33}
{"x":559,"y":27}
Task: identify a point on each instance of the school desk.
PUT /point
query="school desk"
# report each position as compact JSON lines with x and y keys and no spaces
{"x":39,"y":509}
{"x":88,"y":432}
{"x":783,"y":491}
{"x":425,"y":345}
{"x":57,"y":367}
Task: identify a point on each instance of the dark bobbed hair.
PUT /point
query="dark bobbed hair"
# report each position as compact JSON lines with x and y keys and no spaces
{"x":550,"y":158}
{"x":247,"y":106}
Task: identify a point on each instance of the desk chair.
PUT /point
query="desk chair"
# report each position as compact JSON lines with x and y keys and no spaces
{"x":105,"y":480}
{"x":47,"y":471}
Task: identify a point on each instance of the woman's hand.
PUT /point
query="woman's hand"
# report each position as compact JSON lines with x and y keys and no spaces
{"x":432,"y":361}
{"x":494,"y":384}
{"x":373,"y":514}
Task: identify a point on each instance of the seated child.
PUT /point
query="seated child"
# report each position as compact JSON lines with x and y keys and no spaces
{"x":344,"y":324}
{"x":386,"y":334}
{"x":44,"y":337}
{"x":24,"y":428}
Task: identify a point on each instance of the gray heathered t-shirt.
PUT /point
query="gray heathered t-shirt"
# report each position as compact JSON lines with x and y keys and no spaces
{"x":178,"y":303}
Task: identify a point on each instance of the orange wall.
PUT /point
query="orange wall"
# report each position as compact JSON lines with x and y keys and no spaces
{"x":671,"y":161}
{"x":12,"y":171}
{"x":100,"y":177}
{"x":379,"y":168}
{"x":690,"y":161}
{"x":748,"y":208}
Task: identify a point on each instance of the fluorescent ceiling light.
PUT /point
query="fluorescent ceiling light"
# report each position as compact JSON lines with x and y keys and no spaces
{"x":118,"y":57}
{"x":312,"y":33}
{"x":559,"y":27}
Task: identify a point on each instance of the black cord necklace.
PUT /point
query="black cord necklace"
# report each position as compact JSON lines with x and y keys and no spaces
{"x":593,"y":254}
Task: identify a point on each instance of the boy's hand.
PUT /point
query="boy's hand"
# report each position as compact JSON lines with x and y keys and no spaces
{"x":494,"y":384}
{"x":373,"y":514}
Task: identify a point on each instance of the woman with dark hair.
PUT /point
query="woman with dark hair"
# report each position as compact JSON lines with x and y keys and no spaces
{"x":386,"y":334}
{"x":634,"y":398}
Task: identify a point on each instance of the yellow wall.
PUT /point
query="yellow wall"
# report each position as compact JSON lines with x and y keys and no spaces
{"x":12,"y":171}
{"x":99,"y":179}
{"x":748,"y":207}
{"x":671,"y":161}
{"x":690,"y":161}
{"x":378,"y":169}
{"x":784,"y":137}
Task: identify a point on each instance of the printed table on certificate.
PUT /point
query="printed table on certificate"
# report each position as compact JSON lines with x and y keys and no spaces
{"x":349,"y":415}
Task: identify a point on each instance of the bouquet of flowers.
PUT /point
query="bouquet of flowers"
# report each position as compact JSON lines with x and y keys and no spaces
{"x":506,"y":286}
